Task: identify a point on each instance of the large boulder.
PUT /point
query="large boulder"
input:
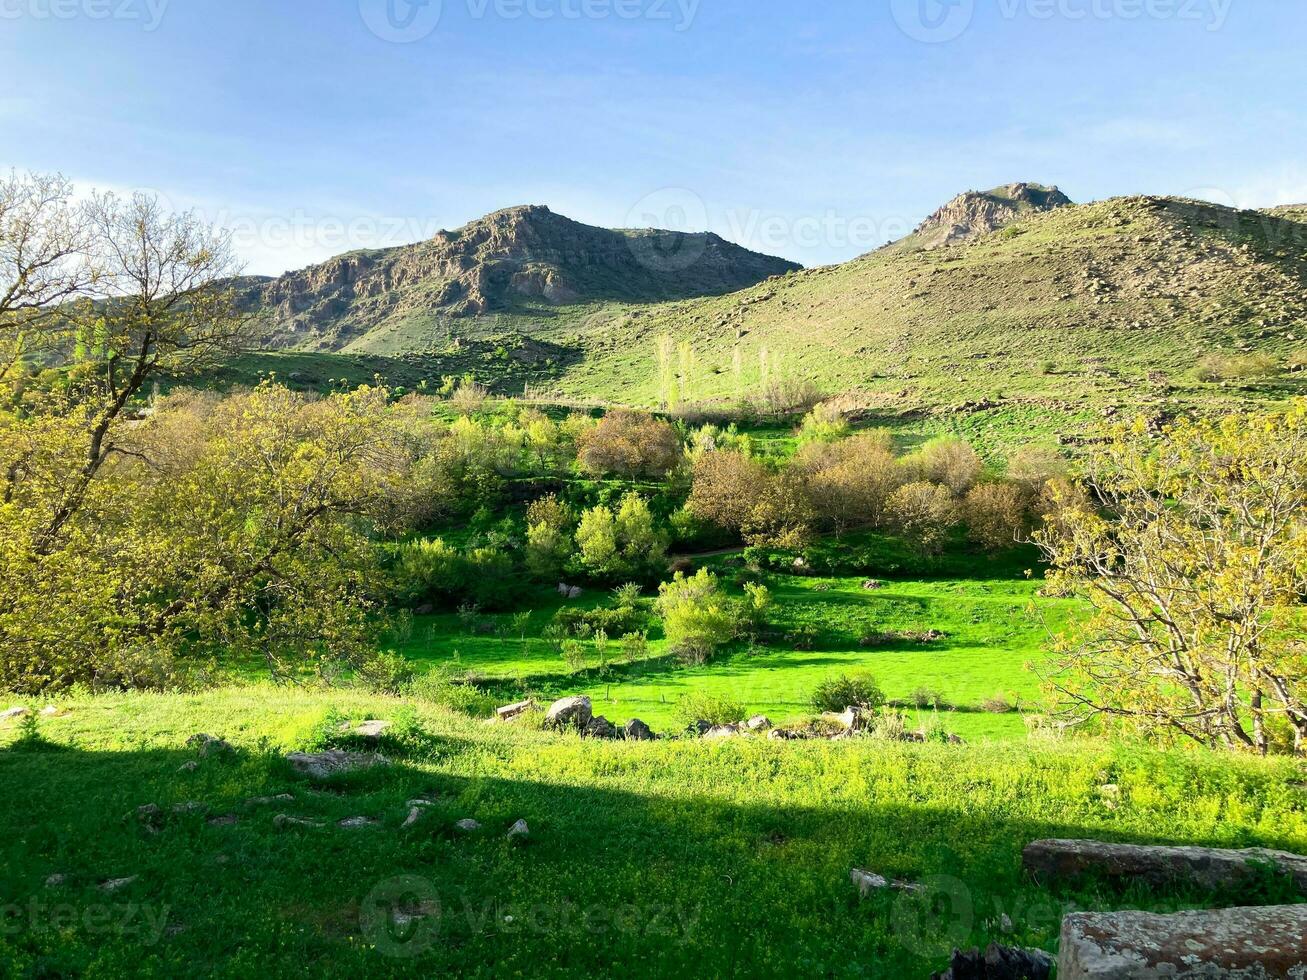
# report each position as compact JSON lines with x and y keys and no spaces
{"x":324,"y":765}
{"x":1247,"y":943}
{"x":998,"y":963}
{"x":1051,"y":861}
{"x":574,"y":712}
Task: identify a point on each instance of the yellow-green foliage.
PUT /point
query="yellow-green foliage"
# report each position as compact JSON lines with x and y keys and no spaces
{"x":1196,"y":574}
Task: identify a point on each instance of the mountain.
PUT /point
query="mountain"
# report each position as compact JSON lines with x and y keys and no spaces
{"x":1063,"y":312}
{"x":976,"y":213}
{"x":522,"y":265}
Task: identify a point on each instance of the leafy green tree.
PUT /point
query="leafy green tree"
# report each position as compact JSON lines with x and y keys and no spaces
{"x":698,"y":618}
{"x":625,"y":544}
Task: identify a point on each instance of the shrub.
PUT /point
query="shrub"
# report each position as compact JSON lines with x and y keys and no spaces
{"x":697,"y":618}
{"x":724,"y":488}
{"x":995,"y":514}
{"x":714,"y":709}
{"x":825,"y":423}
{"x":928,"y":697}
{"x":438,"y":687}
{"x":858,"y":690}
{"x":997,"y":705}
{"x":923,"y":514}
{"x":1031,"y":467}
{"x":630,"y":444}
{"x":1226,"y":367}
{"x":587,"y":622}
{"x":850,"y":483}
{"x":950,"y":461}
{"x":548,"y":549}
{"x":386,"y":673}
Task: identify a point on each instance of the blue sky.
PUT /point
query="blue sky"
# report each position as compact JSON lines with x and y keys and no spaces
{"x":815,"y":130}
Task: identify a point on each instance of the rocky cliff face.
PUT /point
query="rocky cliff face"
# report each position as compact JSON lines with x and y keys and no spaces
{"x":977,"y":213}
{"x":516,"y":258}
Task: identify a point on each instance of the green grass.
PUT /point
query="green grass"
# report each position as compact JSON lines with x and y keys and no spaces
{"x":994,"y":625}
{"x":657,"y":859}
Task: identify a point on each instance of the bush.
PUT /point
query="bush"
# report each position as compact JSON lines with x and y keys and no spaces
{"x":923,"y":514}
{"x":995,"y":514}
{"x":711,"y":708}
{"x":587,"y":622}
{"x":697,"y":618}
{"x":630,"y":444}
{"x":438,"y":687}
{"x":386,"y":673}
{"x":950,"y":461}
{"x":1226,"y":367}
{"x":825,"y":423}
{"x":850,"y":483}
{"x":848,"y":691}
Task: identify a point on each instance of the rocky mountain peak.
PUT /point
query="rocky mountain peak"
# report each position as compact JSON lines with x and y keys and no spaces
{"x":975,"y":213}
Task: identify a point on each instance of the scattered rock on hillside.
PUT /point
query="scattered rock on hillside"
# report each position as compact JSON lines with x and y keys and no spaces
{"x":570,"y":591}
{"x":868,"y":882}
{"x":265,"y":800}
{"x":998,"y":963}
{"x":188,"y":766}
{"x":600,"y":727}
{"x":52,"y":711}
{"x":637,"y":731}
{"x":371,"y":730}
{"x":324,"y":765}
{"x":1052,"y":861}
{"x":468,"y":825}
{"x":785,"y":735}
{"x":510,"y":711}
{"x":223,"y":820}
{"x":356,"y":823}
{"x":12,"y":713}
{"x":871,"y":585}
{"x":574,"y":711}
{"x":722,"y":731}
{"x":519,"y":832}
{"x":758,"y":723}
{"x":118,"y":884}
{"x":209,"y":745}
{"x":1252,"y":943}
{"x":414,"y":815}
{"x":851,"y":718}
{"x":56,"y":881}
{"x":284,"y":820}
{"x":189,"y":807}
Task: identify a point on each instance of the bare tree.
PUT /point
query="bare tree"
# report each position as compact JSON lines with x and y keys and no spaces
{"x":164,"y":301}
{"x":45,"y":262}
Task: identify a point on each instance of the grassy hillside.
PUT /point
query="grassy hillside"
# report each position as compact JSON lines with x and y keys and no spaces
{"x":714,"y":858}
{"x":1066,"y":309}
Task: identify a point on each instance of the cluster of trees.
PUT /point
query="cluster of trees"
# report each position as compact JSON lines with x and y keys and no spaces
{"x":839,"y":482}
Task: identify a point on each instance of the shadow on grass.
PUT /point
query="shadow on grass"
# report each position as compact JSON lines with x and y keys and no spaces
{"x":669,"y":880}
